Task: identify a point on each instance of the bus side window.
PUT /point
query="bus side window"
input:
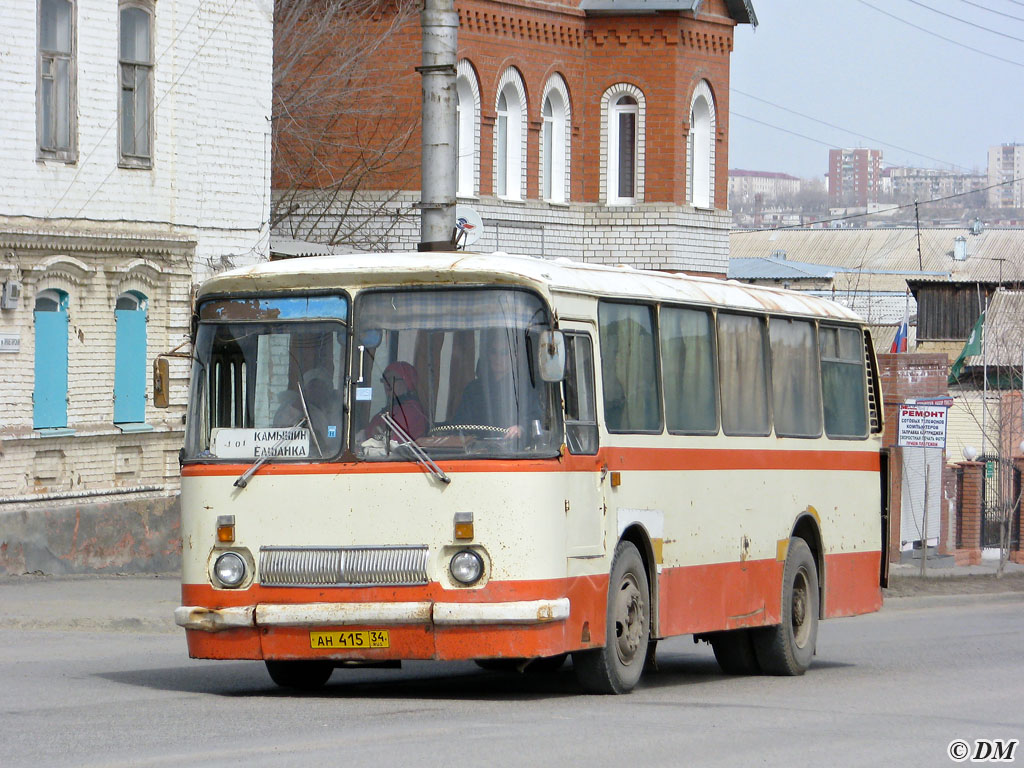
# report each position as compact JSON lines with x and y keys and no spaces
{"x":580,"y":418}
{"x":843,"y":382}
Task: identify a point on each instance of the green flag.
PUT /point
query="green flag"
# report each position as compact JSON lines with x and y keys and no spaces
{"x":972,"y":347}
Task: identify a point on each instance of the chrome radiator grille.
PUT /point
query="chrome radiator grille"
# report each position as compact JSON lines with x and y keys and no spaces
{"x":342,"y":566}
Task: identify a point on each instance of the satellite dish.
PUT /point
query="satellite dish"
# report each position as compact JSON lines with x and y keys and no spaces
{"x":468,"y":225}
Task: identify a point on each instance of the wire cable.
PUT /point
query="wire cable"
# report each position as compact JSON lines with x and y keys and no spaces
{"x":845,"y":130}
{"x":887,"y":211}
{"x":941,"y":37}
{"x":965,"y":21}
{"x":993,"y":10}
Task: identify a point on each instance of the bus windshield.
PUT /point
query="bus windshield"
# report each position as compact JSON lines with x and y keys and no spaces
{"x":267,"y":379}
{"x":453,"y":370}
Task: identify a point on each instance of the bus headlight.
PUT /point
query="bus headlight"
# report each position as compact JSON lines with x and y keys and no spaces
{"x":229,"y":569}
{"x":466,"y":567}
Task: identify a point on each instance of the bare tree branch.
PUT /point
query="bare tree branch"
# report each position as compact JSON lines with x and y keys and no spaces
{"x":340,"y":128}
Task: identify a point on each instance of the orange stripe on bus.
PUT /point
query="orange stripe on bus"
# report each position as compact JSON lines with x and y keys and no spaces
{"x":640,"y":459}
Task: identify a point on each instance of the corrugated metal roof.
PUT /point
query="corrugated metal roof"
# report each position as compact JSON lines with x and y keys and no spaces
{"x":547,"y":276}
{"x":877,"y":308}
{"x":776,"y":269}
{"x":884,"y":259}
{"x":1004,"y":331}
{"x":289,"y":248}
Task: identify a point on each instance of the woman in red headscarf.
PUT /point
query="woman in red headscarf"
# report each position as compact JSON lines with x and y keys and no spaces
{"x":400,"y":380}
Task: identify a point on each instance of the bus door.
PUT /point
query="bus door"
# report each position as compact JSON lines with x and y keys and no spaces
{"x":585,"y":509}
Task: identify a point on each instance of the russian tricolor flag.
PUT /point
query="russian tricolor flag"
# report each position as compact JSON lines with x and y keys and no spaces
{"x":899,"y":344}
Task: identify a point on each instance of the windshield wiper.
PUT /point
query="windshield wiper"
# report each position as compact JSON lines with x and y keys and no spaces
{"x":415,"y":449}
{"x":245,"y":477}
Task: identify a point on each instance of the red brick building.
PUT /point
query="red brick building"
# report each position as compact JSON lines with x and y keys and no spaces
{"x":587,"y":128}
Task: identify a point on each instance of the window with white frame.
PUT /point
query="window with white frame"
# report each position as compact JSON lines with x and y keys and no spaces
{"x":135,"y":62}
{"x":622,"y":162}
{"x":56,"y":111}
{"x":509,"y":135}
{"x":554,"y":142}
{"x":700,"y":146}
{"x":467,"y":137}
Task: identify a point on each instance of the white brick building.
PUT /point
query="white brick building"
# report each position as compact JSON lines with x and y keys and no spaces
{"x":134,"y":154}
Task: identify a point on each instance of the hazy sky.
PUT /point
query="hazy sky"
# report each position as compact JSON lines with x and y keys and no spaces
{"x":885,"y":83}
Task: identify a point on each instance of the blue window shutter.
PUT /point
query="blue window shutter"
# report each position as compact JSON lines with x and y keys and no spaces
{"x":50,"y":396}
{"x":130,"y":366}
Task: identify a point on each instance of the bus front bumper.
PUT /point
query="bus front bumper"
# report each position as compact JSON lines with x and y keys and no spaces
{"x":424,"y":613}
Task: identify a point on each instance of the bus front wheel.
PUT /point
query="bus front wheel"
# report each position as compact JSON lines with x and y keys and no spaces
{"x":300,"y":675}
{"x":617,"y":667}
{"x":787,"y":649}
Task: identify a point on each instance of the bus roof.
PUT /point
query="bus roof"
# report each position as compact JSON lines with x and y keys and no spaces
{"x":558,"y":276}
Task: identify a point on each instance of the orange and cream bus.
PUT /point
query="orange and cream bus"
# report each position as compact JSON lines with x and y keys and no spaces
{"x":511,"y":459}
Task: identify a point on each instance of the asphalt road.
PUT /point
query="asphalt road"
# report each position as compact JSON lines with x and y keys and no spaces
{"x":894,"y":688}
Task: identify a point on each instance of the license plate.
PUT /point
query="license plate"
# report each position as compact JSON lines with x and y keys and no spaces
{"x":363,"y":638}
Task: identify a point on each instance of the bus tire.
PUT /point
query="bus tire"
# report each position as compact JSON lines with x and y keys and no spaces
{"x":787,"y":649}
{"x":617,"y":667}
{"x":734,"y":652}
{"x":300,"y":675}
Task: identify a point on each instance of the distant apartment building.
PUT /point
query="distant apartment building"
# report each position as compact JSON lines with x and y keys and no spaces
{"x":1006,"y":163}
{"x":854,"y":177}
{"x":906,"y":185}
{"x":745,"y":186}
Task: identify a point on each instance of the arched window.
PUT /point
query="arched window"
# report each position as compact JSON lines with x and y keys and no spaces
{"x":50,"y":389}
{"x":554,"y":142}
{"x":130,"y":358}
{"x":467,"y":139}
{"x":510,"y":135}
{"x":623,"y":137}
{"x":700,"y":148}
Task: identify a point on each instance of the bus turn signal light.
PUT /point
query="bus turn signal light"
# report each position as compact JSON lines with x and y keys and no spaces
{"x":463,"y":526}
{"x":226,"y":529}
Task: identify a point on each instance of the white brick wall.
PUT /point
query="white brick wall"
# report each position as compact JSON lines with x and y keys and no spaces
{"x":210,"y":177}
{"x":646,"y":235}
{"x":94,"y":230}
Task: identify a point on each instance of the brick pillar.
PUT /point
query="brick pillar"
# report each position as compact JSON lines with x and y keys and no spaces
{"x":969,"y":552}
{"x":1017,"y":554}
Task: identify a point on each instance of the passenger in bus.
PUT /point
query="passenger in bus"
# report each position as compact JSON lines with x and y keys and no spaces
{"x":493,"y":398}
{"x":322,"y":402}
{"x":400,"y":381}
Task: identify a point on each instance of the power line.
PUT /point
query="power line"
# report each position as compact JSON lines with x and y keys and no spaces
{"x":965,"y":21}
{"x":993,"y":10}
{"x":734,"y":113}
{"x":941,"y":37}
{"x":845,"y":130}
{"x":894,"y":208}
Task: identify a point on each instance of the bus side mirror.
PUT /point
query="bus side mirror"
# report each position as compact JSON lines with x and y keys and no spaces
{"x":551,"y":356}
{"x":161,"y":382}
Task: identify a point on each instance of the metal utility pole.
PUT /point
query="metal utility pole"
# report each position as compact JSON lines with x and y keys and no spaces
{"x":917,"y":221}
{"x":440,"y":24}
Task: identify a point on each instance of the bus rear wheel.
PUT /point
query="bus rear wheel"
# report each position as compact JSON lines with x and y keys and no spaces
{"x":617,"y":667}
{"x":300,"y":675}
{"x":787,"y":649}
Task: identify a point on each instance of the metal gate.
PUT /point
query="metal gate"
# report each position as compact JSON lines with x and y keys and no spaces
{"x":1000,"y":491}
